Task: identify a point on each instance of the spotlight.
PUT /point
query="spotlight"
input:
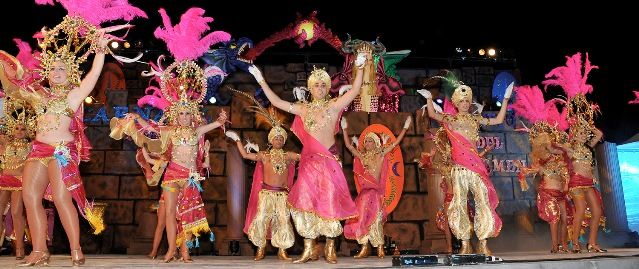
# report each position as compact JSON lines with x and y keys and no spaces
{"x":115,"y":44}
{"x":458,"y":50}
{"x":482,"y":52}
{"x":212,"y":100}
{"x":127,"y":45}
{"x":492,"y":52}
{"x":439,"y":101}
{"x":498,"y":104}
{"x":88,"y":100}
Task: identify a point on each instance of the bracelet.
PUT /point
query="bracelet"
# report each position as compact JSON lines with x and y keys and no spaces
{"x":104,"y":50}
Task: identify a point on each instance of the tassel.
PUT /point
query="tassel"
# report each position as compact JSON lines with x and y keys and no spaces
{"x":197,"y":242}
{"x":212,"y":237}
{"x":189,"y":244}
{"x":95,"y":220}
{"x":194,"y":182}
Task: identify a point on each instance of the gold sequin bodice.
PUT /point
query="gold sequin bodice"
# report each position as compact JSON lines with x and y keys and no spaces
{"x":582,"y":154}
{"x":555,"y":167}
{"x":466,"y":125}
{"x":278,"y":161}
{"x":184,"y":136}
{"x":14,"y":155}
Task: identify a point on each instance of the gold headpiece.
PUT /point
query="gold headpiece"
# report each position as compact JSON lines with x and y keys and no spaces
{"x":183,"y":84}
{"x":581,"y":115}
{"x":375,"y":138}
{"x":17,"y":112}
{"x":461,"y":93}
{"x":542,"y":127}
{"x":276,"y":125}
{"x":319,"y":75}
{"x":70,"y":42}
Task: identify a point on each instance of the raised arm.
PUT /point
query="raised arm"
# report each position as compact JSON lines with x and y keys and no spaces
{"x":598,"y":134}
{"x":246,"y":155}
{"x":429,"y":105}
{"x":221,"y":119}
{"x":77,"y":95}
{"x":362,"y":69}
{"x":272,"y":97}
{"x":501,"y":115}
{"x":137,"y":118}
{"x":399,"y":138}
{"x":347,"y":140}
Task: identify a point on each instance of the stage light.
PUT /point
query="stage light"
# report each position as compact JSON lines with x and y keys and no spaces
{"x":88,"y":100}
{"x":127,"y":45}
{"x":492,"y":52}
{"x":439,"y":101}
{"x":498,"y":104}
{"x":115,"y":44}
{"x":482,"y":52}
{"x":458,"y":50}
{"x":212,"y":100}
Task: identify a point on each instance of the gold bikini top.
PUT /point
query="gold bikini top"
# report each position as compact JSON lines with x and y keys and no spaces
{"x":184,"y":136}
{"x":582,"y":154}
{"x":14,"y":155}
{"x":58,"y":106}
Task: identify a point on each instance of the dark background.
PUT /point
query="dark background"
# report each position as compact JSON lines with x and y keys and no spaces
{"x":536,"y":37}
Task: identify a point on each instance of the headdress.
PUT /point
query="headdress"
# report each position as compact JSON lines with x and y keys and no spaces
{"x":276,"y":125}
{"x":319,"y":75}
{"x":17,"y":112}
{"x":375,"y":138}
{"x":544,"y":115}
{"x":182,"y":85}
{"x":71,"y":41}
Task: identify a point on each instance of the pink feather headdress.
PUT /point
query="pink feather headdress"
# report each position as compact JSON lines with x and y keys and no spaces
{"x":530,"y":105}
{"x":183,"y":83}
{"x":570,"y":77}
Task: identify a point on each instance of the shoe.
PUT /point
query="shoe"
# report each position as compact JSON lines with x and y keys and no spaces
{"x":364,"y":252}
{"x":380,"y":252}
{"x":595,"y":248}
{"x":170,"y":258}
{"x":561,"y":249}
{"x":576,"y":248}
{"x":185,"y":257}
{"x":329,"y":251}
{"x":75,"y":257}
{"x":282,"y":255}
{"x":309,"y":245}
{"x":42,"y":261}
{"x":259,"y":255}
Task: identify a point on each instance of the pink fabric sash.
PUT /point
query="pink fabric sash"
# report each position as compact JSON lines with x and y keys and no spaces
{"x":321,"y":186}
{"x":369,"y":202}
{"x":464,"y":153}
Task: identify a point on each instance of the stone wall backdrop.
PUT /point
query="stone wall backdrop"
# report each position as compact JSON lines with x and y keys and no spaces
{"x":114,"y":177}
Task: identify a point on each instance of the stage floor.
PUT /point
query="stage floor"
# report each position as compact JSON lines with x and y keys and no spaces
{"x":615,"y":258}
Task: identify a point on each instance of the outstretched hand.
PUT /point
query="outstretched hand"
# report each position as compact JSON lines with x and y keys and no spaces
{"x":257,"y":74}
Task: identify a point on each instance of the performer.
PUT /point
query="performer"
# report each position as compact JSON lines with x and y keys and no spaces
{"x":320,"y":198}
{"x":159,"y":162}
{"x":182,"y":89}
{"x":267,"y":215}
{"x":583,"y":137}
{"x":585,"y":196}
{"x":20,"y":124}
{"x":371,"y":168}
{"x":468,"y":171}
{"x":546,"y":160}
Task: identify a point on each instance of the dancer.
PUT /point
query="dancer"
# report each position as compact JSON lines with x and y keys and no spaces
{"x":14,"y":148}
{"x":468,"y":171}
{"x":267,"y":215}
{"x":320,"y":198}
{"x":546,"y":160}
{"x":371,"y":169}
{"x":182,"y":89}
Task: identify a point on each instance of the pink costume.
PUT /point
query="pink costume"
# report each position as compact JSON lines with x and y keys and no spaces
{"x":320,"y":197}
{"x":370,"y":207}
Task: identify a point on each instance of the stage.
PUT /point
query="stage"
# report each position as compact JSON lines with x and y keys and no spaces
{"x":615,"y":258}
